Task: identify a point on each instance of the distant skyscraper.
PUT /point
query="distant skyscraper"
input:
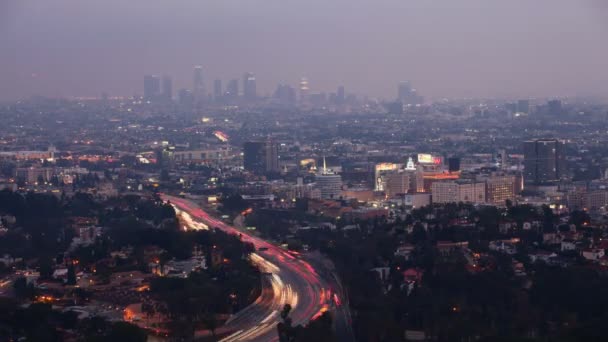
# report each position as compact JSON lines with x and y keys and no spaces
{"x":151,"y":87}
{"x":543,"y":161}
{"x":523,"y":106}
{"x":404,"y":90}
{"x":340,"y":95}
{"x":554,"y":107}
{"x":511,"y":107}
{"x":285,"y":94}
{"x":185,"y":98}
{"x":261,"y":156}
{"x":198,"y":88}
{"x":249,"y":86}
{"x":167,"y":92}
{"x":408,"y":95}
{"x":304,"y":90}
{"x":232,"y":89}
{"x":217,"y":90}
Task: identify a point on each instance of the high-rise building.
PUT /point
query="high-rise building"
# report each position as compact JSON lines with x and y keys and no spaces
{"x":254,"y":156}
{"x":500,"y":188}
{"x":554,"y":107}
{"x":285,"y":95}
{"x":543,"y":161}
{"x":397,"y":183}
{"x":151,"y":87}
{"x":404,"y":90}
{"x":457,"y":191}
{"x":408,"y":95}
{"x":340,"y":95}
{"x":185,"y":97}
{"x":217,"y":90}
{"x":249,"y":87}
{"x":167,"y":92}
{"x":329,"y":183}
{"x":261,"y":156}
{"x":304,"y":90}
{"x":232,"y":89}
{"x":198,"y":86}
{"x":523,"y":106}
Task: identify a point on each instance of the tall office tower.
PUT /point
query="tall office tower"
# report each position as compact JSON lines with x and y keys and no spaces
{"x":217,"y":90}
{"x":404,"y":91}
{"x":151,"y":87}
{"x":232,"y":89}
{"x":304,"y":90}
{"x":185,"y":98}
{"x":249,"y":87}
{"x":261,"y":156}
{"x":523,"y":106}
{"x":340,"y":95}
{"x":272,"y":156}
{"x":408,"y":95}
{"x":167,"y":93}
{"x":554,"y":107}
{"x":285,"y":95}
{"x":543,"y":161}
{"x":198,"y":87}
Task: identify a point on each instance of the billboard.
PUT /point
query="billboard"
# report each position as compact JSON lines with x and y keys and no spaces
{"x":425,"y":158}
{"x":386,"y":167}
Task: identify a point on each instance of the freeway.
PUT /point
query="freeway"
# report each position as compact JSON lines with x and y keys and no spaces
{"x":289,"y":279}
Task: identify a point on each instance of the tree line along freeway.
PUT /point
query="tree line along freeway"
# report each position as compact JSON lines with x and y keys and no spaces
{"x":289,"y":279}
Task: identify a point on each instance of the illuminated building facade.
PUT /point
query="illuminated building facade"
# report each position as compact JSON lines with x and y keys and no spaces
{"x":329,"y":183}
{"x":381,"y":172}
{"x":501,"y":188}
{"x":454,"y":192}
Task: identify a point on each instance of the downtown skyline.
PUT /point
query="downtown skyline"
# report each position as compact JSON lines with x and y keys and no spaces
{"x":474,"y":49}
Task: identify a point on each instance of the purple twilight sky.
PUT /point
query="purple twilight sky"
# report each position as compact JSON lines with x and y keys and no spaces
{"x":453,"y":48}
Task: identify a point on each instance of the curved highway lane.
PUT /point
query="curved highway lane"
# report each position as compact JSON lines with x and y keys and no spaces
{"x":287,"y":278}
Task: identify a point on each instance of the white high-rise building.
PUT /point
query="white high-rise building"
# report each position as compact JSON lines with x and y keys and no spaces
{"x":329,"y":183}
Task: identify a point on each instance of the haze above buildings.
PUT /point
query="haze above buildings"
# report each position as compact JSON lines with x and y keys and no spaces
{"x":468,"y":48}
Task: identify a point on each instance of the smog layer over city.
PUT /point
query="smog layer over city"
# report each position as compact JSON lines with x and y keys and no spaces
{"x":291,"y":171}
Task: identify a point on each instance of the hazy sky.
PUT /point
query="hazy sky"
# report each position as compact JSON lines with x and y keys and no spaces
{"x":454,"y":48}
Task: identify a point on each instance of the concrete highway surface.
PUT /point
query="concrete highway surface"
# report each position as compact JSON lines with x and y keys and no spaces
{"x":288,"y":279}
